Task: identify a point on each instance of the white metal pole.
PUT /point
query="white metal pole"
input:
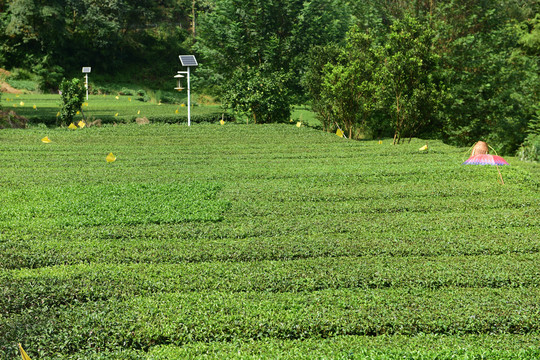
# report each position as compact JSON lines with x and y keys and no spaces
{"x":86,"y":86}
{"x":188,"y":99}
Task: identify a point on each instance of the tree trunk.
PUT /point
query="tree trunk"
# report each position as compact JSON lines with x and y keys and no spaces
{"x":193,"y":18}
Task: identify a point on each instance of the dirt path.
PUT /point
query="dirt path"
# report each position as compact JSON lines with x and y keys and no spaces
{"x":5,"y":88}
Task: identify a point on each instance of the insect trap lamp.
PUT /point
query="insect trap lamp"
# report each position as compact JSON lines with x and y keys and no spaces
{"x":187,"y":61}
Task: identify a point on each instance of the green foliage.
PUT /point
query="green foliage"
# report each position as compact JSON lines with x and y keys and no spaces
{"x":349,"y":90}
{"x":424,"y":347}
{"x":106,"y":205}
{"x":50,"y":76}
{"x":55,"y":36}
{"x":407,"y":77}
{"x":530,"y":38}
{"x":312,"y":81}
{"x":73,"y":96}
{"x":276,"y":34}
{"x":492,"y":83}
{"x":262,"y":96}
{"x":530,"y":149}
{"x":397,"y":79}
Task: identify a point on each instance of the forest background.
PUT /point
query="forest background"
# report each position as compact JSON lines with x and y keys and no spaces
{"x":459,"y":71}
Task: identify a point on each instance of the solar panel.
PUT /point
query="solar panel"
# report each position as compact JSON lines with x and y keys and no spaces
{"x":188,"y":60}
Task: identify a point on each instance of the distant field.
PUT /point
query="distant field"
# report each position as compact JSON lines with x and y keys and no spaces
{"x":45,"y":109}
{"x":109,"y":108}
{"x":267,"y":241}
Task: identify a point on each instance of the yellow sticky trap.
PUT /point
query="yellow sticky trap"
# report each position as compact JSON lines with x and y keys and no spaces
{"x":110,"y":158}
{"x":81,"y":124}
{"x":46,"y":140}
{"x":23,"y":353}
{"x":298,"y":124}
{"x":339,"y":133}
{"x":72,"y":126}
{"x":222,"y":122}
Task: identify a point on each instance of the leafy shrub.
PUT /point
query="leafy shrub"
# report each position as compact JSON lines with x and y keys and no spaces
{"x":167,"y":99}
{"x":49,"y":76}
{"x":530,"y":150}
{"x":21,"y":74}
{"x":73,"y":93}
{"x":126,"y":91}
{"x":258,"y":94}
{"x":299,"y":235}
{"x":211,"y":117}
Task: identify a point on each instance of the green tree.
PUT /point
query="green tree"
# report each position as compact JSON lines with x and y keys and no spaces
{"x":33,"y":31}
{"x":277,"y":34}
{"x":348,"y":87}
{"x":57,"y":37}
{"x":492,"y":82}
{"x":407,"y":77}
{"x":319,"y":58}
{"x":262,"y":96}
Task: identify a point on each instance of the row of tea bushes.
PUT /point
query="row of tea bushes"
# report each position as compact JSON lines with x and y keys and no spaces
{"x":181,"y":318}
{"x":25,"y":288}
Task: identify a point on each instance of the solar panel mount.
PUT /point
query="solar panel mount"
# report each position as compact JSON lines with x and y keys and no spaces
{"x":188,"y":60}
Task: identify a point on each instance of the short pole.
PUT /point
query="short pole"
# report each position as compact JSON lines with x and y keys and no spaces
{"x":86,"y":84}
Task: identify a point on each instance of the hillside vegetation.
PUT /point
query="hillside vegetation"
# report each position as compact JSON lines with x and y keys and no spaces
{"x":268,"y":241}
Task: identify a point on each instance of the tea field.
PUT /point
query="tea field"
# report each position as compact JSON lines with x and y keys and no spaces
{"x":262,"y":242}
{"x":110,"y":108}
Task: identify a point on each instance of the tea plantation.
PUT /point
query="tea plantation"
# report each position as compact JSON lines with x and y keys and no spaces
{"x":262,"y":242}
